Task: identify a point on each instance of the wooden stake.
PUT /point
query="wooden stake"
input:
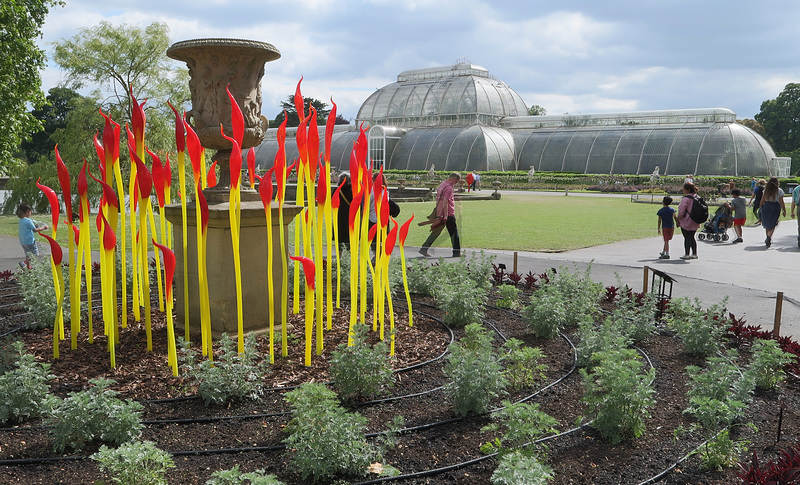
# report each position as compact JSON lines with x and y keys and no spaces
{"x":644,"y":281}
{"x":515,"y":261}
{"x":776,"y":328}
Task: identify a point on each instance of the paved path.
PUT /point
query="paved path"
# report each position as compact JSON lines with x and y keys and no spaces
{"x":748,"y":273}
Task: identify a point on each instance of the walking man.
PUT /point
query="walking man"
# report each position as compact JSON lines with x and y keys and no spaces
{"x":446,"y":216}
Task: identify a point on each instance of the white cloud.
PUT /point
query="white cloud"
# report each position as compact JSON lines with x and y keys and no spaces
{"x":580,"y":56}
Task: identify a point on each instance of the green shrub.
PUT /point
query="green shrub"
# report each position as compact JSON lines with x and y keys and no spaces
{"x":635,"y":319}
{"x":233,"y":476}
{"x":509,"y":297}
{"x":618,"y":394}
{"x":719,"y":393}
{"x":523,"y":423}
{"x":324,"y":439}
{"x":721,"y":452}
{"x":583,"y":293}
{"x":520,"y":469}
{"x":361,"y":370}
{"x":566,"y":299}
{"x":462,"y":302}
{"x":701,"y":332}
{"x":38,"y":293}
{"x":427,"y":279}
{"x":230,"y":376}
{"x":94,"y":414}
{"x":599,"y":338}
{"x":766,"y":366}
{"x":475,"y":371}
{"x":546,"y":314}
{"x":135,"y":463}
{"x":522,"y":367}
{"x":24,"y":388}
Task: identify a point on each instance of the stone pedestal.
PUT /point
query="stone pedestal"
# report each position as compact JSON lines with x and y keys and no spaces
{"x":220,"y":266}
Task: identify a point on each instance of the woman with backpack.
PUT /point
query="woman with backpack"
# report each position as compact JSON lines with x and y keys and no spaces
{"x":771,"y":208}
{"x":688,"y":226}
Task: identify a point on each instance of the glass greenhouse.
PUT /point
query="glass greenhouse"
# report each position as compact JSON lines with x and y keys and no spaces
{"x":461,"y":118}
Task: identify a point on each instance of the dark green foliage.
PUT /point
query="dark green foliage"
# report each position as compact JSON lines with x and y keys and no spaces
{"x":24,"y":388}
{"x":233,"y":476}
{"x":618,"y":394}
{"x":230,"y":376}
{"x":361,"y":370}
{"x":325,"y":440}
{"x":475,"y":371}
{"x":94,"y":414}
{"x":135,"y":463}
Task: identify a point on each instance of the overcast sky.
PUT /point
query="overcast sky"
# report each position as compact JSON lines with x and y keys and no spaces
{"x":588,"y":56}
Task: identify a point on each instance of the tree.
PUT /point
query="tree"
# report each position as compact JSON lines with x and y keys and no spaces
{"x":291,"y":112}
{"x":70,"y":121}
{"x":536,"y":110}
{"x":20,"y":79}
{"x":52,"y":116}
{"x":341,"y":120}
{"x":114,"y":58}
{"x":781,"y":120}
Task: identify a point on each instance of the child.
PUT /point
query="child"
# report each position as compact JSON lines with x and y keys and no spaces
{"x":666,"y":225}
{"x":739,"y":207}
{"x":27,"y":228}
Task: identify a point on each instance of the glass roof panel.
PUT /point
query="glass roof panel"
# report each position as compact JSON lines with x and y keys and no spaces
{"x":656,"y":150}
{"x":461,"y":153}
{"x":605,"y":146}
{"x":531,"y":152}
{"x":416,"y":98}
{"x":553,"y":156}
{"x":467,"y":103}
{"x":578,"y":150}
{"x":439,"y":147}
{"x":629,"y":151}
{"x":683,"y":155}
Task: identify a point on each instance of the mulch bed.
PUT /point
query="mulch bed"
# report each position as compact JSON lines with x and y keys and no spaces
{"x":580,"y":457}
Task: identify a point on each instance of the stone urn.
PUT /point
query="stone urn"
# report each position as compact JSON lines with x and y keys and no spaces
{"x":214,"y":65}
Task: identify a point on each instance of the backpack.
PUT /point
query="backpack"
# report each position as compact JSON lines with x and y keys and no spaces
{"x":699,"y":210}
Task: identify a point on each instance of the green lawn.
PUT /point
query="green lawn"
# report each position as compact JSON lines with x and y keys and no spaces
{"x":523,"y":221}
{"x":537,"y":223}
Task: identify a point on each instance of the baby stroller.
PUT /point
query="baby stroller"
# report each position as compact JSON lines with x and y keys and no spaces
{"x":716,"y":228}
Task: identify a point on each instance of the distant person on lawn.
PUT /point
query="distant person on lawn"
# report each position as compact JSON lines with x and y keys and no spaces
{"x":795,"y":203}
{"x":27,"y":237}
{"x":688,"y":226}
{"x":771,"y":208}
{"x":739,"y":213}
{"x":666,"y":225}
{"x":445,"y":212}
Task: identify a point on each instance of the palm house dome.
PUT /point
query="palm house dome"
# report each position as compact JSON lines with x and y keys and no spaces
{"x":460,"y":117}
{"x":461,"y":94}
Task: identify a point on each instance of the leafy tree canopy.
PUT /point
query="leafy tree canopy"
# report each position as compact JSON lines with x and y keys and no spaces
{"x":536,"y":110}
{"x":291,"y":112}
{"x":113,"y":58}
{"x":52,"y":116}
{"x":781,"y":119}
{"x":108,"y":60}
{"x":20,"y":79}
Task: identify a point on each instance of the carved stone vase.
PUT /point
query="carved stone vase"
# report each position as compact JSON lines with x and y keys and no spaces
{"x":214,"y":65}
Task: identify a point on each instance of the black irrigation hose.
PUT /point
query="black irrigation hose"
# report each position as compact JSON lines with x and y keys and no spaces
{"x":158,"y":422}
{"x":280,"y":447}
{"x":37,"y":461}
{"x":456,"y":466}
{"x":397,"y":371}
